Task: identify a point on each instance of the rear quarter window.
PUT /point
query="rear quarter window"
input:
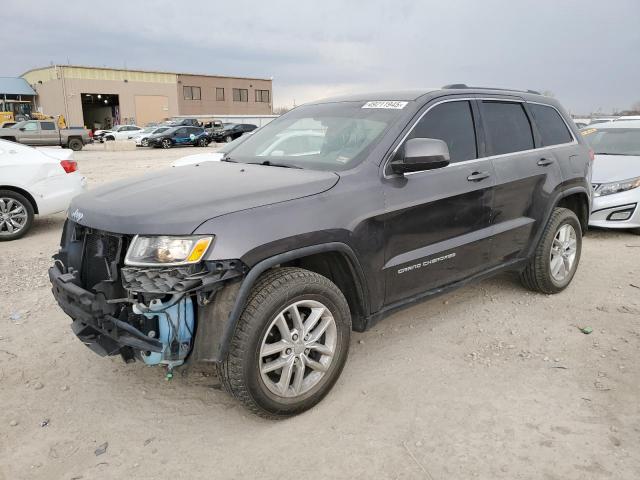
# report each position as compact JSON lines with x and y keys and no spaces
{"x":552,"y":128}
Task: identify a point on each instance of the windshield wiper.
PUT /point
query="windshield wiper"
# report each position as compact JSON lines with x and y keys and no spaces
{"x":269,"y":163}
{"x":610,"y":153}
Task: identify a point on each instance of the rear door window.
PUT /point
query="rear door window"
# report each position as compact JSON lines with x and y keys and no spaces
{"x":508,"y":127}
{"x":451,"y":122}
{"x":47,"y":125}
{"x":552,"y":128}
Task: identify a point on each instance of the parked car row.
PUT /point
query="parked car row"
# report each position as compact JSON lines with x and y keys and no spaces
{"x":168,"y":135}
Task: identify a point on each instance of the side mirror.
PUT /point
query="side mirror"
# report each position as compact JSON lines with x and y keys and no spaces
{"x":421,"y":154}
{"x":22,"y":129}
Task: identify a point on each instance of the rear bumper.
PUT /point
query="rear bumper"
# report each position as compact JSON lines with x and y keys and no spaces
{"x":54,"y":194}
{"x":93,"y":318}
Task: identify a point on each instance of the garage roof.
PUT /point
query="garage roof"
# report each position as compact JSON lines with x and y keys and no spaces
{"x":15,"y":86}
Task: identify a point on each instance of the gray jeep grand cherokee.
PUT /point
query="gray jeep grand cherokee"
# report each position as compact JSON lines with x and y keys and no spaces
{"x":325,"y":220}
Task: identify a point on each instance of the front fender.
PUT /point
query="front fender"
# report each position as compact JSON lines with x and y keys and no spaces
{"x":217,"y":322}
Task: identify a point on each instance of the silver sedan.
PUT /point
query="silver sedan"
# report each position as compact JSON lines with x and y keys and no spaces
{"x":616,"y":174}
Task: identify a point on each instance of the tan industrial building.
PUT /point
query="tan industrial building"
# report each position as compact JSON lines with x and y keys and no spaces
{"x":102,"y":97}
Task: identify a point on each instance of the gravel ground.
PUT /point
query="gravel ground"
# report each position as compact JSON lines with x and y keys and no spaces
{"x":489,"y":382}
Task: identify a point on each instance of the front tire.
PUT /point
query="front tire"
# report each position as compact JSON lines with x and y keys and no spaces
{"x":557,"y":255}
{"x":203,"y":142}
{"x":228,"y":139}
{"x":290,"y":344}
{"x":16,"y":215}
{"x":166,"y":143}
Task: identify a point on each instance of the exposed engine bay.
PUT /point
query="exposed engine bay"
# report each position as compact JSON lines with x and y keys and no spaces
{"x":138,"y":312}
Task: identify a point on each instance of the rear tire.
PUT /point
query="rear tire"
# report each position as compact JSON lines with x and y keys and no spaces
{"x":16,"y":213}
{"x":310,"y":353}
{"x":555,"y":261}
{"x":144,"y":142}
{"x":75,"y":144}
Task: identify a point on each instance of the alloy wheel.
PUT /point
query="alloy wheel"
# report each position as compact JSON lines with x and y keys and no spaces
{"x":13,"y":216}
{"x":298,"y":348}
{"x":563,"y":252}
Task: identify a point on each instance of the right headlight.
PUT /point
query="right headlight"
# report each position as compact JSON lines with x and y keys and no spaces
{"x":167,"y":251}
{"x":616,"y":187}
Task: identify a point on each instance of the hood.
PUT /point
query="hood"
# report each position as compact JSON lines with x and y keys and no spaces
{"x":177,"y":201}
{"x":613,"y":168}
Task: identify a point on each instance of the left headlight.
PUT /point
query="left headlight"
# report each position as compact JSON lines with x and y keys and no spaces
{"x":616,"y":187}
{"x":168,"y":251}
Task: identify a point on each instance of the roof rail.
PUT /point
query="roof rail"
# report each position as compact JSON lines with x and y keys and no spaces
{"x":456,"y":86}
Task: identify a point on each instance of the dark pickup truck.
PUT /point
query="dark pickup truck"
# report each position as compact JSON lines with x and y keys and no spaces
{"x":263,"y":263}
{"x":46,"y":133}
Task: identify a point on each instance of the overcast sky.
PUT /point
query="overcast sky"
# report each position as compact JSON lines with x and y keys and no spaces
{"x":584,"y":51}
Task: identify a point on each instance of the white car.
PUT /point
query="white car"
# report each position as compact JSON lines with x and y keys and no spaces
{"x":120,"y":132}
{"x":295,"y":143}
{"x":627,"y":118}
{"x":616,"y":174}
{"x":214,"y":156}
{"x":142,"y":138}
{"x":34,"y":181}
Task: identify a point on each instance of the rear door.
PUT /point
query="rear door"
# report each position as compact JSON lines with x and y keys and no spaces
{"x":48,"y":133}
{"x":437,"y":222}
{"x":526,"y":176}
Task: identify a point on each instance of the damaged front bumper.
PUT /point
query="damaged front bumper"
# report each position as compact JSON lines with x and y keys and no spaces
{"x":93,"y":318}
{"x":160,"y":315}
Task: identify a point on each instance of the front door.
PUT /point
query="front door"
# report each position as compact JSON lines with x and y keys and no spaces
{"x":30,"y":133}
{"x":525,"y":176}
{"x":437,"y":222}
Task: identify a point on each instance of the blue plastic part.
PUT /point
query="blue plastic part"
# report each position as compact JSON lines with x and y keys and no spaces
{"x":180,"y":318}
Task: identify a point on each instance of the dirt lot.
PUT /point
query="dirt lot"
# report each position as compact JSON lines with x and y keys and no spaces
{"x":489,"y":382}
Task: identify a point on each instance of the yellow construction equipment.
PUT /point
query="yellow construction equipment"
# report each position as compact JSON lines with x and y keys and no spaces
{"x":9,"y":117}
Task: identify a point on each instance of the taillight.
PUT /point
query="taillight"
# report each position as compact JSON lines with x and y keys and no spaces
{"x":592,"y":154}
{"x":69,"y":165}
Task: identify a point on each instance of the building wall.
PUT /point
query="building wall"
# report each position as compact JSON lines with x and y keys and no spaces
{"x":132,"y":87}
{"x":143,"y":96}
{"x":208,"y":105}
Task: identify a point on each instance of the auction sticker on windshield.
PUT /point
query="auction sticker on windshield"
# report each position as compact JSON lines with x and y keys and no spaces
{"x":393,"y":104}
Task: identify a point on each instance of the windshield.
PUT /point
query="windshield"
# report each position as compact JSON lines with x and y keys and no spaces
{"x":614,"y":141}
{"x":330,"y":136}
{"x":160,"y":130}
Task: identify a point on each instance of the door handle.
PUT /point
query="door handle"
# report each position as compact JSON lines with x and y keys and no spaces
{"x":477,"y":176}
{"x":545,"y":162}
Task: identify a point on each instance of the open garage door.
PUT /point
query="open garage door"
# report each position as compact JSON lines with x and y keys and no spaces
{"x":100,"y":110}
{"x":151,"y":108}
